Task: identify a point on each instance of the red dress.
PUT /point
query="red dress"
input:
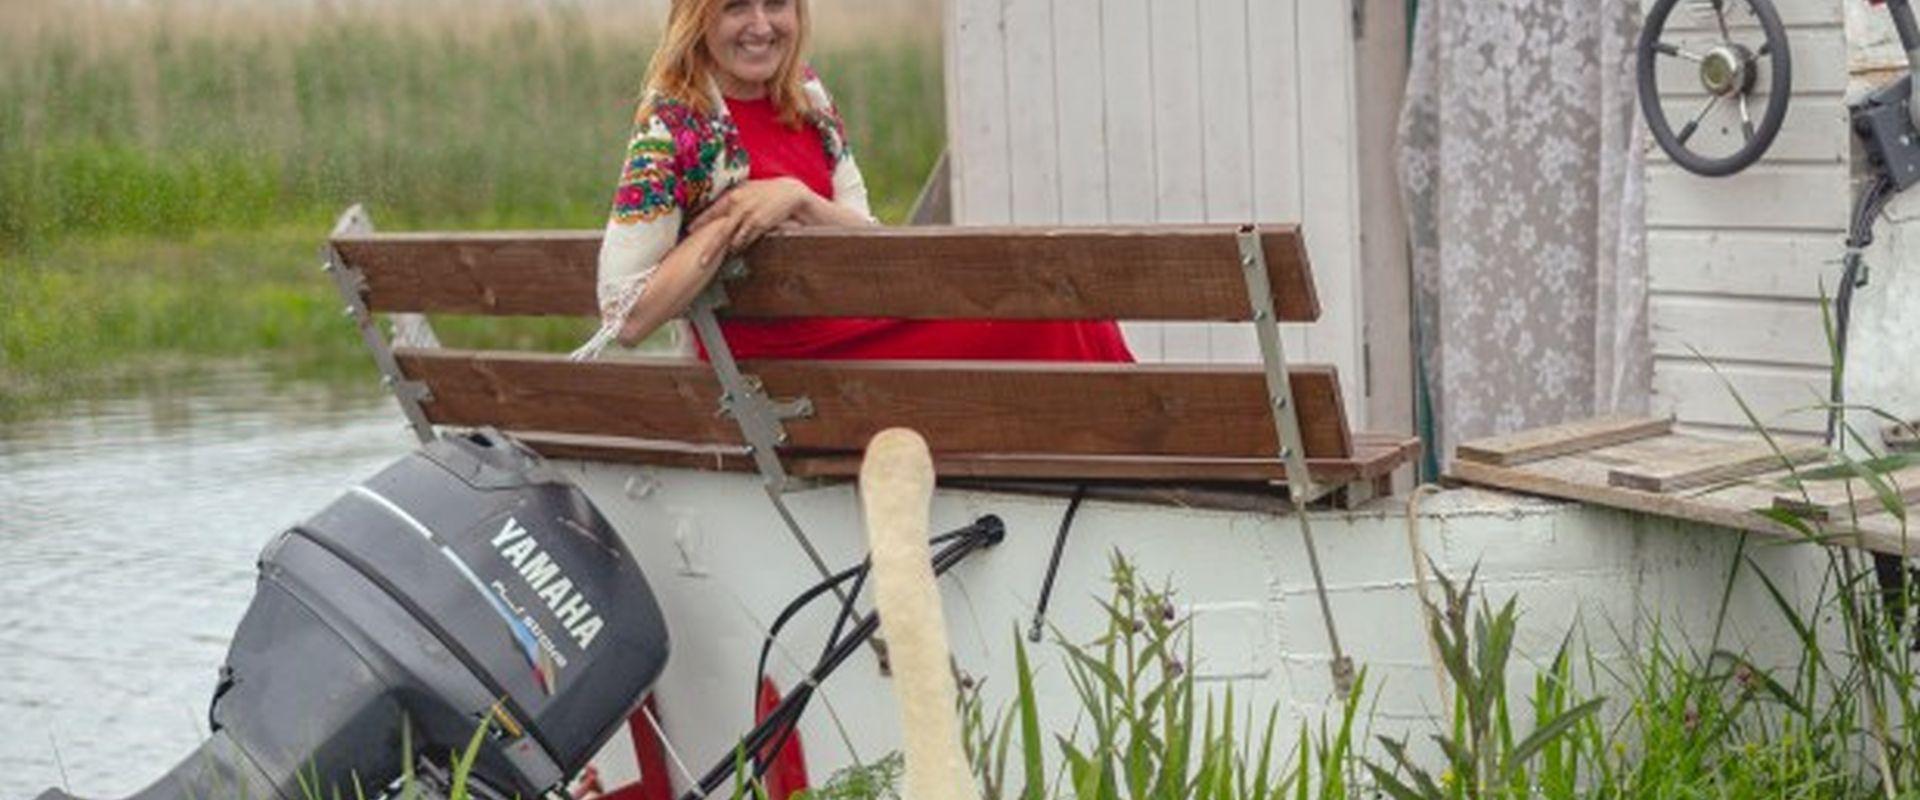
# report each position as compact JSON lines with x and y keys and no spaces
{"x":778,"y":151}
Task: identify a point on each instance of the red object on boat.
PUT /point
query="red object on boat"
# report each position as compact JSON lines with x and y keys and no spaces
{"x":655,"y":782}
{"x":788,"y":772}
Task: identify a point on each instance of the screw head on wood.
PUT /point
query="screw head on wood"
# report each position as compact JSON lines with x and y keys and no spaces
{"x":1280,"y":402}
{"x":1286,"y":453}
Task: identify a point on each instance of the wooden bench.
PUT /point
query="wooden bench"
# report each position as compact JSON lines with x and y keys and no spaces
{"x":1000,"y":420}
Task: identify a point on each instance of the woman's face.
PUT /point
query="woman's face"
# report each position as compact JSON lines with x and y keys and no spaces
{"x":748,"y":41}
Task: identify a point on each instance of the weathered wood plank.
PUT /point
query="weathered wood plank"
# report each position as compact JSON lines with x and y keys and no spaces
{"x":1581,"y":477}
{"x":1827,"y":501}
{"x":1710,"y":461}
{"x":1144,"y":273}
{"x":1540,"y":443}
{"x":961,"y":407}
{"x":1373,"y":459}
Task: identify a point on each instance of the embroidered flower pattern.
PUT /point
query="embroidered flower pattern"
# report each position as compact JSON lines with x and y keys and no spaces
{"x":672,"y":161}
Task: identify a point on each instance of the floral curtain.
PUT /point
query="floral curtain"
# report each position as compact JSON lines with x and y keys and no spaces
{"x":1522,"y":162}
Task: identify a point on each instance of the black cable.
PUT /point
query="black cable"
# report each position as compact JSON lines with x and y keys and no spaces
{"x":1890,"y":572}
{"x":784,"y":717}
{"x":813,"y":593}
{"x":1852,"y":275}
{"x":985,"y":532}
{"x":793,"y":609}
{"x":1053,"y":564}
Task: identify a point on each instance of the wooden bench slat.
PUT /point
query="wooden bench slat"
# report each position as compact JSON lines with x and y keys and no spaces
{"x":1522,"y":447}
{"x":1152,"y":273}
{"x":961,"y":407}
{"x":1372,"y":460}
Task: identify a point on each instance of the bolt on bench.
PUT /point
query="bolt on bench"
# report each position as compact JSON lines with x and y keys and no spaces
{"x":1164,"y":423}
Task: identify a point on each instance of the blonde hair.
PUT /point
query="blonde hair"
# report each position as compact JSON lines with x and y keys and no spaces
{"x":681,"y":66}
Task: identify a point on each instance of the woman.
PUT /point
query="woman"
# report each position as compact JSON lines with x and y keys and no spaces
{"x":736,"y":136}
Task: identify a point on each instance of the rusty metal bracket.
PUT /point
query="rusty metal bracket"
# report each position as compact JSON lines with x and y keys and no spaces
{"x":352,"y":283}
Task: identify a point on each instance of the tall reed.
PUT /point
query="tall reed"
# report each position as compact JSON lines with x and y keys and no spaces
{"x":169,"y":118}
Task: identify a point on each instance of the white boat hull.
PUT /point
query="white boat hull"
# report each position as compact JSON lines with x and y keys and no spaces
{"x":723,"y":565}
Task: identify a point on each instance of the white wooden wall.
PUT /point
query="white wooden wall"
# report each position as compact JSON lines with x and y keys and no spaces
{"x":1736,"y":264}
{"x":1129,"y":111}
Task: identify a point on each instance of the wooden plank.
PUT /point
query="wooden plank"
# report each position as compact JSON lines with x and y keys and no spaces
{"x":1329,"y":189}
{"x":1826,"y":501}
{"x":1783,"y":396}
{"x":1796,"y":197}
{"x":1711,"y":461}
{"x":1739,"y":329}
{"x":977,"y":112}
{"x":1081,"y":137}
{"x":1157,"y":272}
{"x":1783,"y":265}
{"x":1540,"y":443}
{"x":961,"y":407}
{"x":1226,"y":111}
{"x":1581,"y":476}
{"x":1374,"y":458}
{"x":1274,"y":99}
{"x":1814,"y":132}
{"x":1793,"y":14}
{"x":1033,"y":159}
{"x":1174,"y":56}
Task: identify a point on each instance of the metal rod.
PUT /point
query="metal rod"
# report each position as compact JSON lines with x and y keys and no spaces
{"x":1301,"y":489}
{"x":352,"y":285}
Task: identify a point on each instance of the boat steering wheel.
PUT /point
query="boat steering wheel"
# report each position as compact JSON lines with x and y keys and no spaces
{"x":1729,"y":76}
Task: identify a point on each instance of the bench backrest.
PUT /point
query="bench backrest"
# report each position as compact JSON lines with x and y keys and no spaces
{"x":1123,"y":413}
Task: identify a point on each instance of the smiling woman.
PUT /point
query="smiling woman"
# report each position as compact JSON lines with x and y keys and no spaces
{"x":735,"y":137}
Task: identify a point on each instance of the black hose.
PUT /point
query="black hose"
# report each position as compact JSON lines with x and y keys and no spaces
{"x":779,"y":723}
{"x":1053,"y":564}
{"x":1852,"y":275}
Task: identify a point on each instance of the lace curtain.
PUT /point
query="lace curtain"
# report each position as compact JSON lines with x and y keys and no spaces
{"x":1522,"y":162}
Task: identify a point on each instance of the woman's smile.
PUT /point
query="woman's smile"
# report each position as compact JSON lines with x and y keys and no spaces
{"x":749,"y":40}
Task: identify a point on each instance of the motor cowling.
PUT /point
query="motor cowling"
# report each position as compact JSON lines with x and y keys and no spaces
{"x":464,"y":589}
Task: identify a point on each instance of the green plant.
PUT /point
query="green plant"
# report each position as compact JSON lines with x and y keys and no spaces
{"x":1482,"y":757}
{"x":1143,"y":730}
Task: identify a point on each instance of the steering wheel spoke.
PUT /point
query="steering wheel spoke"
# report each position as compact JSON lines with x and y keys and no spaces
{"x":1693,"y":125}
{"x":1677,"y":51}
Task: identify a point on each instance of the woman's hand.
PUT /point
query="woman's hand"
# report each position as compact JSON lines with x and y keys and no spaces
{"x":757,"y":207}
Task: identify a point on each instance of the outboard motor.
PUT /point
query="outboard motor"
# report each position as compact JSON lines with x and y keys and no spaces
{"x":461,"y":595}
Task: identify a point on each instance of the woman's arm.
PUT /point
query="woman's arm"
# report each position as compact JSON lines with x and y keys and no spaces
{"x":756,"y":207}
{"x":682,"y":273}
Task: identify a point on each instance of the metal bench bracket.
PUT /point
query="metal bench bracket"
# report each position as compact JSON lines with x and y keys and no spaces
{"x":744,"y":398}
{"x":1301,"y":488}
{"x":352,"y":283}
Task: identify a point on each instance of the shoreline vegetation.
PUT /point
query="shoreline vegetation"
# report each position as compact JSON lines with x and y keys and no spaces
{"x":168,"y":171}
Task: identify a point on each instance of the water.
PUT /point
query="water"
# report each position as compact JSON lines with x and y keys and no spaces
{"x":128,"y":533}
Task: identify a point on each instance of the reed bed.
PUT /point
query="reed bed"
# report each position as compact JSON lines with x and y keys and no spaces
{"x":166,"y":118}
{"x":168,"y":168}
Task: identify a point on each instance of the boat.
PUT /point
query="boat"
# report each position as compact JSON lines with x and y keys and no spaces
{"x":1282,"y":533}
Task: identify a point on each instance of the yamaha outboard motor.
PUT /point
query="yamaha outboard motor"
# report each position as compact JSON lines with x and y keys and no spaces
{"x":462,"y":592}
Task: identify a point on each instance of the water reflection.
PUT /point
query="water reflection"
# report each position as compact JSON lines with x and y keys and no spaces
{"x":128,"y":533}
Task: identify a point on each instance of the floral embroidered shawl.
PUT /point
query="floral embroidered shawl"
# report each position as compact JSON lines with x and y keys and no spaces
{"x":678,"y":162}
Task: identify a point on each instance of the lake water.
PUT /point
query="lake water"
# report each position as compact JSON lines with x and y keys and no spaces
{"x":128,"y":533}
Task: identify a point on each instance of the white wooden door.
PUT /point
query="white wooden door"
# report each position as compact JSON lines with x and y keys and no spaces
{"x":1129,"y":111}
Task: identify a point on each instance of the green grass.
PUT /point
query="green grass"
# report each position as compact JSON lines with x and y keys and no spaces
{"x":166,"y":176}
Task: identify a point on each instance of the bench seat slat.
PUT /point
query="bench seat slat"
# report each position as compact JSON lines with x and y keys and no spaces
{"x":1188,"y":273}
{"x":1374,"y":458}
{"x":1213,"y":410}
